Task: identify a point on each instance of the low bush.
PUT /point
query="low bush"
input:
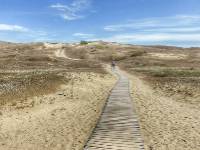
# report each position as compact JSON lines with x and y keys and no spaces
{"x":83,"y":42}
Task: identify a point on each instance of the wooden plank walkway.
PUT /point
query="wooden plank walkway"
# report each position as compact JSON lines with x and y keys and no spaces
{"x":118,"y":127}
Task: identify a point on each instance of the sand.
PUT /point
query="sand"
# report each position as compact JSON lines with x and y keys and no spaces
{"x":61,"y":53}
{"x":168,"y":56}
{"x":166,"y":124}
{"x":54,"y":46}
{"x":58,"y":121}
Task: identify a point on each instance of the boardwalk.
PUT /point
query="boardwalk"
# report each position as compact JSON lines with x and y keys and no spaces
{"x":118,"y":128}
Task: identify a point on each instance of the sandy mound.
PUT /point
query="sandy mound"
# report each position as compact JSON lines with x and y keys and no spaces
{"x":169,"y":56}
{"x":61,"y":53}
{"x":59,"y":121}
{"x":166,"y":123}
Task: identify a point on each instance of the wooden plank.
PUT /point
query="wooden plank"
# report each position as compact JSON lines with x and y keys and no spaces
{"x":118,"y":128}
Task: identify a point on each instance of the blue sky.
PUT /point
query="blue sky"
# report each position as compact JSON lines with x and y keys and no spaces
{"x":167,"y":22}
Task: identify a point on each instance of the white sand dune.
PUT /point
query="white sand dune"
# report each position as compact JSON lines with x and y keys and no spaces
{"x":61,"y":53}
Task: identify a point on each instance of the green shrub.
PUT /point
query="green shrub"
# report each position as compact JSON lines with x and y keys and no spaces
{"x":136,"y":53}
{"x":83,"y":42}
{"x":99,"y":46}
{"x":175,"y":73}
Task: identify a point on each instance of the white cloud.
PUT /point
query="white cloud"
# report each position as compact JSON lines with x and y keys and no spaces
{"x":79,"y":5}
{"x":175,"y":29}
{"x":130,"y":38}
{"x":131,"y":25}
{"x":83,"y":35}
{"x":71,"y":16}
{"x":60,"y":7}
{"x":14,"y":28}
{"x":175,"y":22}
{"x":73,"y":10}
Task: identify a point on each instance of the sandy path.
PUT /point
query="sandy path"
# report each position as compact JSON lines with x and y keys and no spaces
{"x":166,"y":124}
{"x":59,"y":121}
{"x":61,"y":53}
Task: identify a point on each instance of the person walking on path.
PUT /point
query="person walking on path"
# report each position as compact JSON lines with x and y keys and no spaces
{"x":113,"y":65}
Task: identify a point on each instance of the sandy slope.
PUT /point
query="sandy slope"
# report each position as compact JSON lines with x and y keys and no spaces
{"x":166,"y":124}
{"x":60,"y":121}
{"x":61,"y":53}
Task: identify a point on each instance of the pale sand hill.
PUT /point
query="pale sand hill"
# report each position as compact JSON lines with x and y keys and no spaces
{"x":168,"y":56}
{"x":59,"y":121}
{"x":166,"y":124}
{"x":61,"y":53}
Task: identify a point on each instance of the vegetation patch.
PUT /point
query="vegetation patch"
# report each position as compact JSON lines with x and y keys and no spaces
{"x":20,"y":86}
{"x":169,"y":72}
{"x":84,"y":43}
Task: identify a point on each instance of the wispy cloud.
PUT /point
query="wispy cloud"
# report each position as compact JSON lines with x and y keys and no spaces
{"x":175,"y":29}
{"x":174,"y":22}
{"x":131,"y":25}
{"x":17,"y":33}
{"x":83,"y":35}
{"x":13,"y":28}
{"x":73,"y":10}
{"x":127,"y":38}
